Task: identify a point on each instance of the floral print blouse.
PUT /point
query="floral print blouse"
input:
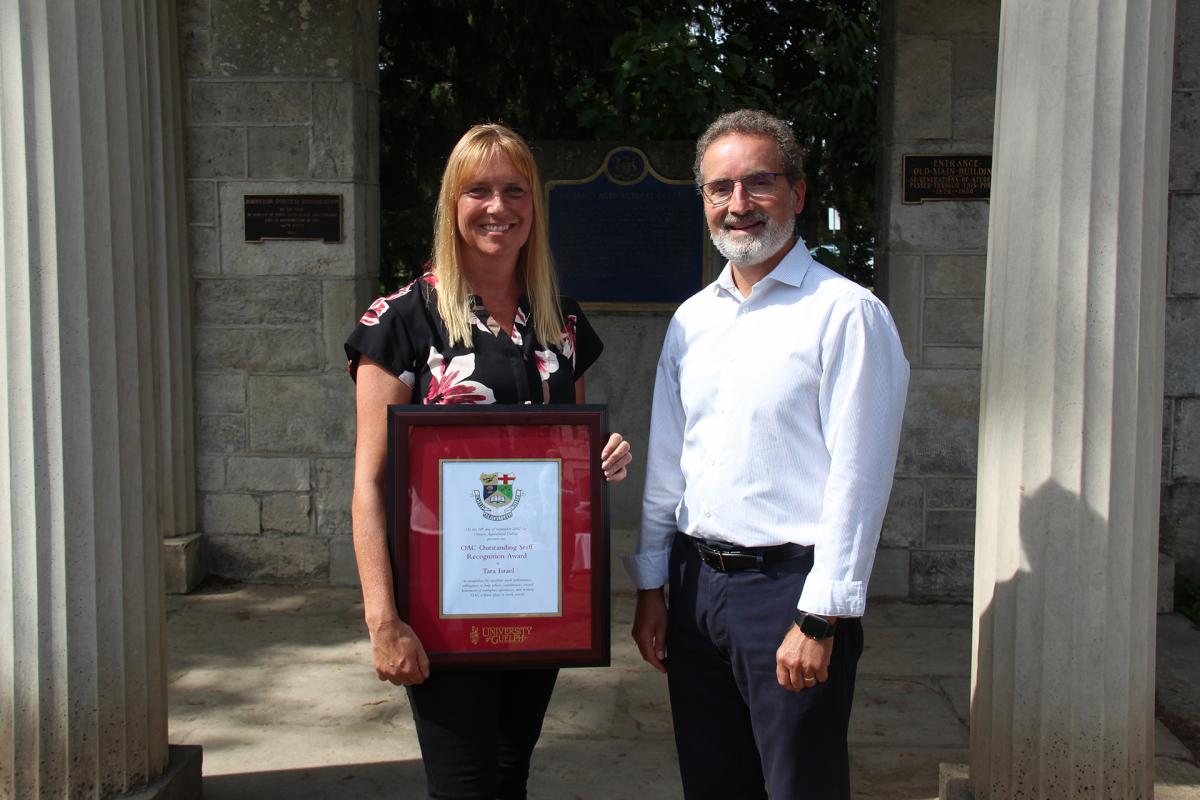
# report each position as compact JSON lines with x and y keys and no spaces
{"x":405,"y":335}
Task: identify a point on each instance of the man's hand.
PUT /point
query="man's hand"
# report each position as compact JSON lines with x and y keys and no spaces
{"x":800,"y":657}
{"x":398,"y":654}
{"x":650,"y":627}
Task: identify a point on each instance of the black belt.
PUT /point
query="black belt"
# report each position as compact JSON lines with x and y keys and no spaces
{"x":728,"y":558}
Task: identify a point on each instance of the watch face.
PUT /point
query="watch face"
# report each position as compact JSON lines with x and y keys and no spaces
{"x":816,"y":628}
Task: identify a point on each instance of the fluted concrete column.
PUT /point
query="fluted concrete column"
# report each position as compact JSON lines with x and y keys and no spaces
{"x":1067,"y":528}
{"x":95,"y":402}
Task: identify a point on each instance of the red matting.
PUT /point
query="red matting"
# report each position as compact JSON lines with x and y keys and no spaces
{"x":420,"y":438}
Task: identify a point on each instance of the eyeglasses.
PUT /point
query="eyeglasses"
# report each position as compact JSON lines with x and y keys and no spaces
{"x":756,"y":184}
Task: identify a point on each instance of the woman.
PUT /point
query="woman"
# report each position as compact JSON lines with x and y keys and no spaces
{"x":484,"y":325}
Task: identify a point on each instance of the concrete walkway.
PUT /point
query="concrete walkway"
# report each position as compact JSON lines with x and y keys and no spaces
{"x":275,"y":682}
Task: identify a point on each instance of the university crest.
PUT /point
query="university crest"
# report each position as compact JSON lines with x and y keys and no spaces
{"x":498,"y":489}
{"x":500,"y":496}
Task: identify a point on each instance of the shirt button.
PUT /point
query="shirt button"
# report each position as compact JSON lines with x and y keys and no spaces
{"x":708,"y":513}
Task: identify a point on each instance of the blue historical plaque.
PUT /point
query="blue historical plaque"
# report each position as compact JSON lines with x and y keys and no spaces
{"x":626,"y":235}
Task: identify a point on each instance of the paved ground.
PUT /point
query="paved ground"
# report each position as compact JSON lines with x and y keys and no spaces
{"x":275,"y":683}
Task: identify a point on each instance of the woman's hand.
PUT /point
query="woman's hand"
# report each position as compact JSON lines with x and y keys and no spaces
{"x":614,"y":458}
{"x":398,"y":654}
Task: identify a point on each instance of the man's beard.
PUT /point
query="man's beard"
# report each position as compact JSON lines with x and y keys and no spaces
{"x":747,"y":250}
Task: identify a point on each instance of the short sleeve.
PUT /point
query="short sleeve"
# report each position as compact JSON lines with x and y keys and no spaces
{"x":384,"y":335}
{"x":579,"y":334}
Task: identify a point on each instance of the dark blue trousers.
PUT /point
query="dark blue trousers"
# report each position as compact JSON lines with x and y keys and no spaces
{"x":740,"y":734}
{"x":477,"y":729}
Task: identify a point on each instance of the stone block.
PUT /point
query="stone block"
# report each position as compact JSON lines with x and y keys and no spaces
{"x":202,"y":202}
{"x":941,"y":423}
{"x":371,"y":101}
{"x":203,"y":258}
{"x":1187,"y":45}
{"x":250,"y":102}
{"x":258,"y":301}
{"x":1185,"y":129}
{"x":905,"y":515}
{"x":343,"y":566}
{"x":257,"y":349}
{"x":297,"y":414}
{"x":196,"y":13}
{"x":923,"y":87}
{"x":1168,"y":422}
{"x":974,"y":116}
{"x":183,"y":563}
{"x":1179,"y":527}
{"x":954,"y":782}
{"x":1182,"y":368}
{"x":220,"y":392}
{"x":336,"y":118}
{"x":221,"y":433}
{"x":1185,"y":444}
{"x":1183,"y":244}
{"x":947,"y":493}
{"x":339,"y":313}
{"x":1166,"y":584}
{"x":277,"y":152}
{"x":230,"y":513}
{"x":269,"y":558}
{"x":975,"y":62}
{"x":904,"y":297}
{"x":181,"y":780}
{"x":943,"y":574}
{"x":210,"y":473}
{"x":950,"y":528}
{"x":287,"y":513}
{"x":945,"y":17}
{"x":196,"y":53}
{"x":959,"y":275}
{"x":215,"y":151}
{"x":263,"y":474}
{"x":952,"y":356}
{"x":890,"y":575}
{"x":953,"y":320}
{"x":239,"y":257}
{"x":335,"y":487}
{"x":314,"y":38}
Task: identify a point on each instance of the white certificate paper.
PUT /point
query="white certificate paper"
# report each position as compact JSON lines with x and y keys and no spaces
{"x":501,"y":553}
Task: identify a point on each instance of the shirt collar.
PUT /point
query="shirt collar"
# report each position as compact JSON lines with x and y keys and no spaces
{"x":791,"y":270}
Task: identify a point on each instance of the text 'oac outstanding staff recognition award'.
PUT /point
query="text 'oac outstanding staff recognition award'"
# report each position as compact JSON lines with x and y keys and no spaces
{"x":501,"y":543}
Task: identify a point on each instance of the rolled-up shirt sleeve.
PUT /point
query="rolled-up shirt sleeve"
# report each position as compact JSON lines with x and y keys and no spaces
{"x":664,"y":475}
{"x":862,"y":394}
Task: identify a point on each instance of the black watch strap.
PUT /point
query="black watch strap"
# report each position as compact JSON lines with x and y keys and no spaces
{"x":814,"y":627}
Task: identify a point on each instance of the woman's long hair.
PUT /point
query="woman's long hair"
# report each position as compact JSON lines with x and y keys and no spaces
{"x":535,"y":267}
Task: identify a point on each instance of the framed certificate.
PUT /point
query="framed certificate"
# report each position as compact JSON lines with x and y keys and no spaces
{"x":498,"y":533}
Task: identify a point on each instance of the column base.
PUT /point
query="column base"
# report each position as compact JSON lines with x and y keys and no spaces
{"x":184,"y":561}
{"x":180,"y":781}
{"x":954,"y":782}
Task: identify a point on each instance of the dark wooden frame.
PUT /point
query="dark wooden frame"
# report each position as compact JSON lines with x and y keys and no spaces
{"x":594,"y":418}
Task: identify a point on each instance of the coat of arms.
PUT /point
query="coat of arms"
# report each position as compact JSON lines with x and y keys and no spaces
{"x":498,"y":489}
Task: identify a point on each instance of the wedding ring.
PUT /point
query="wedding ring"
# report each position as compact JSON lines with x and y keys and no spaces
{"x":808,"y":678}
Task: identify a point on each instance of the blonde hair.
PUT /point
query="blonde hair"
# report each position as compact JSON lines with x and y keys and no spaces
{"x":535,"y":266}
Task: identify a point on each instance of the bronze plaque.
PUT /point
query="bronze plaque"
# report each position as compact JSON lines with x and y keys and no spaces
{"x":946,"y":177}
{"x":299,"y":217}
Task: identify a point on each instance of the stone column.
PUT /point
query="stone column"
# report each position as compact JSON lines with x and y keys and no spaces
{"x":1070,"y":434}
{"x":94,"y":398}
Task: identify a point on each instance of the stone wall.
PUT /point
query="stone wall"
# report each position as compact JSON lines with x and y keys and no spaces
{"x":938,"y":63}
{"x":1180,"y":521}
{"x":281,"y":98}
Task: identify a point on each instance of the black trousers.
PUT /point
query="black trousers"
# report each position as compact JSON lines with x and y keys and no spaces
{"x":740,"y":734}
{"x":477,"y":729}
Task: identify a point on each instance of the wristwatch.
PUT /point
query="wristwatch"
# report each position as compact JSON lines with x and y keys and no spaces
{"x":814,"y":627}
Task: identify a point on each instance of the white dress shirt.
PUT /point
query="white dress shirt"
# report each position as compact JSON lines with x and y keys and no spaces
{"x":776,"y":419}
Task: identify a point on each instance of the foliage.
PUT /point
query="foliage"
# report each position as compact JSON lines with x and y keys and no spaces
{"x":575,"y":70}
{"x":1187,"y":598}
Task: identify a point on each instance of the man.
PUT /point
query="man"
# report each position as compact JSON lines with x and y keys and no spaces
{"x":773,"y":437}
